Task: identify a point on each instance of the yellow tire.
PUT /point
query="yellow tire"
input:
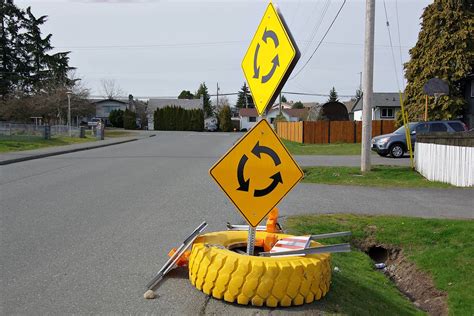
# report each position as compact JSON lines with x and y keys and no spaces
{"x":242,"y":279}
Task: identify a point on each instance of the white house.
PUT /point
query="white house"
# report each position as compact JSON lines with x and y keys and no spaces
{"x":385,"y":106}
{"x":249,"y":117}
{"x":103,"y":107}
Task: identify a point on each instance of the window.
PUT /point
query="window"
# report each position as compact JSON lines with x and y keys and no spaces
{"x":438,"y":127}
{"x":457,"y":127}
{"x":252,"y":118}
{"x":422,"y":128}
{"x":386,"y":113}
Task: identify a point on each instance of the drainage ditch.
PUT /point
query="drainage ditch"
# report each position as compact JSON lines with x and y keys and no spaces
{"x":411,"y":281}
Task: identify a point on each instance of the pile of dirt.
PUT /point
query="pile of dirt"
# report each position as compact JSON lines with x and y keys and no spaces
{"x":417,"y":285}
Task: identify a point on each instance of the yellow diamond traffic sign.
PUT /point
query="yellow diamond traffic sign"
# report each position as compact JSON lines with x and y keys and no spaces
{"x":270,"y":58}
{"x":257,"y":172}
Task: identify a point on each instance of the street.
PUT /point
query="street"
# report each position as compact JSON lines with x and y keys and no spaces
{"x":84,"y":232}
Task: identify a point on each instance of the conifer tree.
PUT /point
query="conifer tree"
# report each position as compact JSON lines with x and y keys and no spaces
{"x":444,"y":50}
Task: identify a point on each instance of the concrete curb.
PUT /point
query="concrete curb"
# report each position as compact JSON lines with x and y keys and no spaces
{"x":61,"y":152}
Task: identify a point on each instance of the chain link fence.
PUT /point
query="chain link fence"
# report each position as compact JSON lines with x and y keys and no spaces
{"x":18,"y":130}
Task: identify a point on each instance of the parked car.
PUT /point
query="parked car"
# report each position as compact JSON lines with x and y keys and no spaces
{"x":395,"y":144}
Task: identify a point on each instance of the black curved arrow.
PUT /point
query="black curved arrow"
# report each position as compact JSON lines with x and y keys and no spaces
{"x":276,"y":179}
{"x":244,"y":185}
{"x":256,"y":69}
{"x":272,"y":35}
{"x":257,"y":150}
{"x":276,"y":63}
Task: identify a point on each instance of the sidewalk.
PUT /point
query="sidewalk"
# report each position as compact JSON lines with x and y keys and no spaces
{"x":18,"y":156}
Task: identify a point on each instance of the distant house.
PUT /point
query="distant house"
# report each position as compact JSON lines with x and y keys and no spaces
{"x":249,"y":117}
{"x":103,"y":107}
{"x":385,"y":106}
{"x":187,"y":104}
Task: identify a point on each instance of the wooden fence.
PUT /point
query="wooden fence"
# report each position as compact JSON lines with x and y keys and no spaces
{"x":326,"y":132}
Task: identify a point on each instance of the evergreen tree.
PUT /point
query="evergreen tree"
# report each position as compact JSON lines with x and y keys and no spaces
{"x":225,"y":119}
{"x":445,"y":50}
{"x":25,"y":63}
{"x":186,"y":94}
{"x":283,"y":98}
{"x":129,"y":119}
{"x":333,"y":95}
{"x":244,"y":93}
{"x":116,"y":118}
{"x":297,"y":105}
{"x":204,"y":93}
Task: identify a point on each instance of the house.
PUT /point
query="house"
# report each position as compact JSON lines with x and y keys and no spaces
{"x":103,"y":107}
{"x":385,"y":106}
{"x":187,"y":104}
{"x":249,"y":117}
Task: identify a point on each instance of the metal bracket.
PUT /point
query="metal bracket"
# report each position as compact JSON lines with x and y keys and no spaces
{"x":310,"y":251}
{"x":174,"y":258}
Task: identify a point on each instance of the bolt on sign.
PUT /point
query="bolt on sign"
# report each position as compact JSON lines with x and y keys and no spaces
{"x":270,"y":58}
{"x":257,"y":172}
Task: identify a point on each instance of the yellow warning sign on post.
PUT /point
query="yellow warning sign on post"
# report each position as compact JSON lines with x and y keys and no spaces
{"x":270,"y":58}
{"x":257,"y":172}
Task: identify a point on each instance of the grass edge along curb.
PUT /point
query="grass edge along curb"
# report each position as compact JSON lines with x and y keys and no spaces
{"x":442,"y":248}
{"x":242,"y":279}
{"x":379,"y":176}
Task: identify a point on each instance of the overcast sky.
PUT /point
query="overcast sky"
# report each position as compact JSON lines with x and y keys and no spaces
{"x":158,"y":48}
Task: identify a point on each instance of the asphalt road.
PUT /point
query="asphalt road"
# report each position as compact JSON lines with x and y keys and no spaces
{"x":84,"y":232}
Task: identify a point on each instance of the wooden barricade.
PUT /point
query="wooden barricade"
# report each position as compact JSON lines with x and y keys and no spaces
{"x":292,"y":131}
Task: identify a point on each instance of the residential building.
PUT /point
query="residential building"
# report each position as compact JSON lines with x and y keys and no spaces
{"x":385,"y":106}
{"x":249,"y":117}
{"x":103,"y":107}
{"x":468,"y":115}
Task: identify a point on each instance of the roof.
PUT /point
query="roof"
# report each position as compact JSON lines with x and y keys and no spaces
{"x":105,"y":100}
{"x":248,"y":112}
{"x":381,"y":99}
{"x":299,"y":113}
{"x":187,"y":104}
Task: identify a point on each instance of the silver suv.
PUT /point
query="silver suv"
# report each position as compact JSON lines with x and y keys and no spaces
{"x":395,"y":143}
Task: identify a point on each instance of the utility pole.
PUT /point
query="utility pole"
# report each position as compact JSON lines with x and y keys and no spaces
{"x":368,"y":82}
{"x":69,"y":112}
{"x":217,"y":99}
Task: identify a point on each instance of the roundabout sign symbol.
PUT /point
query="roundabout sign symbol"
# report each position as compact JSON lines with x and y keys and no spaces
{"x":256,"y":173}
{"x":270,"y":58}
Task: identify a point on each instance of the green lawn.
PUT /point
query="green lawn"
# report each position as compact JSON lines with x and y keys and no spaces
{"x":379,"y":176}
{"x":321,"y":149}
{"x":441,"y":247}
{"x":11,"y":144}
{"x":111,"y":133}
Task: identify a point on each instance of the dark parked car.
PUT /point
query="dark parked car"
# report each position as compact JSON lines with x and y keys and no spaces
{"x":395,"y":143}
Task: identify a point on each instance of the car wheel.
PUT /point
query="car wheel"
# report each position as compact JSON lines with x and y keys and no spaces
{"x":396,"y":151}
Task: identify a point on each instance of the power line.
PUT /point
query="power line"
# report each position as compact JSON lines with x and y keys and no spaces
{"x":319,"y":21}
{"x":391,"y":46}
{"x":322,"y":39}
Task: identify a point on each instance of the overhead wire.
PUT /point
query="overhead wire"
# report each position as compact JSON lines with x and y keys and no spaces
{"x":320,"y":42}
{"x":315,"y":29}
{"x":399,"y":42}
{"x":391,"y":45}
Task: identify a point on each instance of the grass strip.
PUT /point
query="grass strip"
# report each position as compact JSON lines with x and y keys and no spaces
{"x":379,"y":176}
{"x":13,"y":144}
{"x":441,"y":247}
{"x":322,"y":149}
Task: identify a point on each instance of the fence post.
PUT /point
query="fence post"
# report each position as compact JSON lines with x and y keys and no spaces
{"x":329,"y":132}
{"x":47,"y":132}
{"x":82,"y":132}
